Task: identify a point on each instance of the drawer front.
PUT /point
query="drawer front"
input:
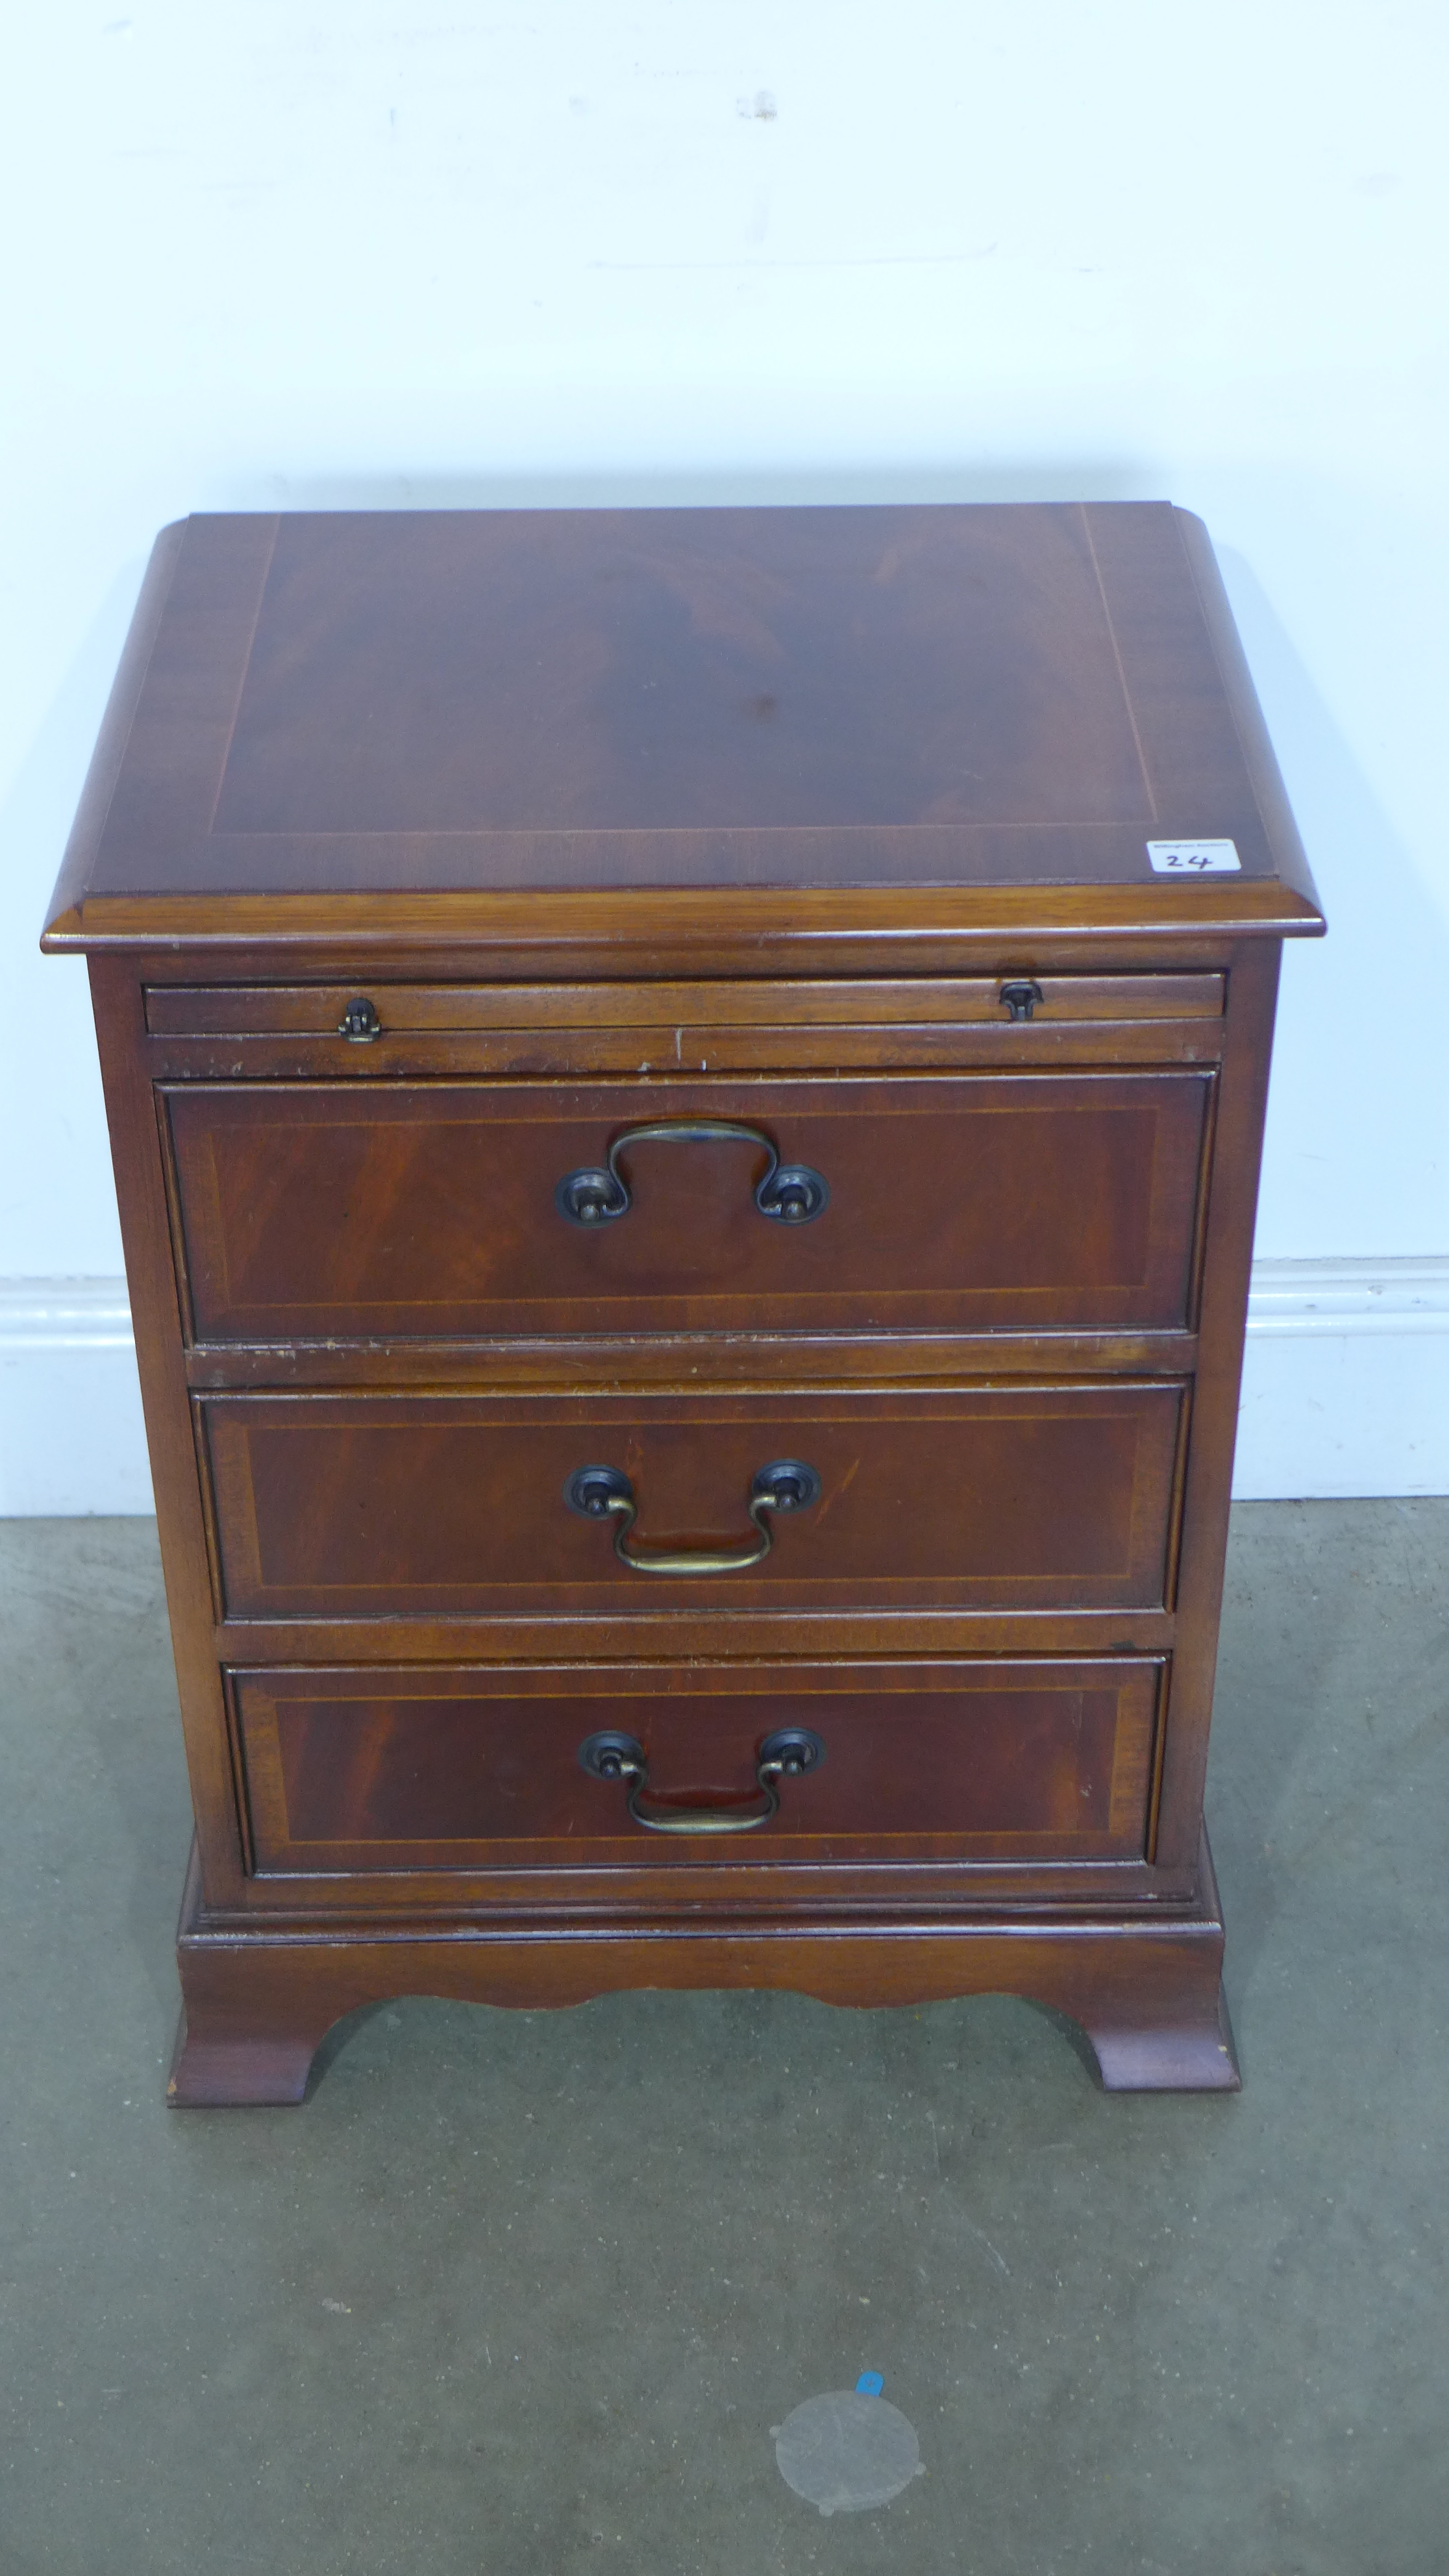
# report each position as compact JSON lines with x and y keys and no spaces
{"x":436,"y":1769}
{"x":1032,"y":1202}
{"x":388,"y":1506}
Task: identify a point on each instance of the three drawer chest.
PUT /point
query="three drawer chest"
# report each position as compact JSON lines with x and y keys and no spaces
{"x":686,"y":1090}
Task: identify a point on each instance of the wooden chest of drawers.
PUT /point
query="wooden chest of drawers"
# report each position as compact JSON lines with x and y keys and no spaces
{"x":687,"y":1130}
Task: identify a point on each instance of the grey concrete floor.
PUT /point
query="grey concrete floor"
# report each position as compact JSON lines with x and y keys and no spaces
{"x":525,"y":2294}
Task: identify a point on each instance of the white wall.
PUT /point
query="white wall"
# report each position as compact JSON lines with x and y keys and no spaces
{"x":319,"y":252}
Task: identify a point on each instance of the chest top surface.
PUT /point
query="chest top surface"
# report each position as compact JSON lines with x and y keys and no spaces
{"x":380,"y":709}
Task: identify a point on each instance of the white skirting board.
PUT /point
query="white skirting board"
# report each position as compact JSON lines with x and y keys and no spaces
{"x":1345,"y":1380}
{"x":71,"y":1434}
{"x":1345,"y":1390}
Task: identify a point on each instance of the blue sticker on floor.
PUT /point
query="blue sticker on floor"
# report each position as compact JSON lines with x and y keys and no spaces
{"x":849,"y":2449}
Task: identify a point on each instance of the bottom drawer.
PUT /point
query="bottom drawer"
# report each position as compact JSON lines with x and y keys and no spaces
{"x":367,"y":1769}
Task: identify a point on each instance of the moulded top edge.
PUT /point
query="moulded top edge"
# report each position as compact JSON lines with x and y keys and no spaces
{"x":752,"y":922}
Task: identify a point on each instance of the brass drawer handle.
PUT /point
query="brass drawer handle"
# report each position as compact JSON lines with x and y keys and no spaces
{"x":786,"y":1755}
{"x":605,"y":1493}
{"x":789,"y":1194}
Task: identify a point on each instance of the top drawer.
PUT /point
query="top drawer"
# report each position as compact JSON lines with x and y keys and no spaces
{"x":1031,"y":1203}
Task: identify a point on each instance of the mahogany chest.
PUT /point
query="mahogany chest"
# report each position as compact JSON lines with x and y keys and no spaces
{"x":686,"y":1090}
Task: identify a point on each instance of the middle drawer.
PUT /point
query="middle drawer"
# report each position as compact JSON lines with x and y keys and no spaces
{"x":1023,"y":1498}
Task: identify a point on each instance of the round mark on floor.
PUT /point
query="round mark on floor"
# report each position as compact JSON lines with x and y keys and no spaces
{"x":845,"y":2452}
